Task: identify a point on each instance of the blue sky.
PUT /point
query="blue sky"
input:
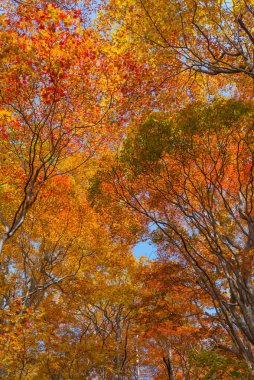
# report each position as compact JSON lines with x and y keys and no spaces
{"x":146,"y":248}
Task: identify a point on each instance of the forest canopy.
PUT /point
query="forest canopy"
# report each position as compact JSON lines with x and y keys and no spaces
{"x":124,"y":122}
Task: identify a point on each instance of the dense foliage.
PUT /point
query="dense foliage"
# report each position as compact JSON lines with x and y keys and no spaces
{"x":122,"y":121}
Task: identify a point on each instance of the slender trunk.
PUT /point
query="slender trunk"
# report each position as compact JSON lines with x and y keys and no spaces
{"x":168,"y":363}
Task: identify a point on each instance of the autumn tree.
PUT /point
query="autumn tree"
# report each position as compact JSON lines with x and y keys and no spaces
{"x":56,"y":95}
{"x":191,"y":47}
{"x":212,"y":37}
{"x":84,"y":327}
{"x":170,"y":309}
{"x":191,"y":174}
{"x":40,"y":106}
{"x":177,"y":330}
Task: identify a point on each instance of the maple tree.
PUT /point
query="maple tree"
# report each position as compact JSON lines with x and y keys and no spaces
{"x":37,"y":117}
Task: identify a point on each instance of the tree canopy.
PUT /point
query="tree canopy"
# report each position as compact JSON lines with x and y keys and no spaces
{"x":122,"y":122}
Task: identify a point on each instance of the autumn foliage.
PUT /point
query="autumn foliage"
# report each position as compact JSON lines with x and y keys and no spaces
{"x":123,"y":122}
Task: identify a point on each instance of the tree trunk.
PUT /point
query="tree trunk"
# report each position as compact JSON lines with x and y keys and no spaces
{"x":168,"y":363}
